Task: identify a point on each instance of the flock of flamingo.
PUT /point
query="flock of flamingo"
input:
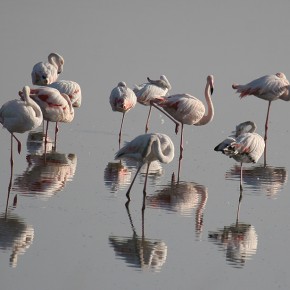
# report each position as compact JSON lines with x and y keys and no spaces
{"x":53,"y":100}
{"x":244,"y":146}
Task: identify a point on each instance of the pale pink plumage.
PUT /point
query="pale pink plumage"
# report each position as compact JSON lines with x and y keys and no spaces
{"x":44,"y":73}
{"x":145,"y":149}
{"x":245,"y":146}
{"x":269,"y":88}
{"x":122,"y":99}
{"x":70,"y":88}
{"x":189,"y":110}
{"x":152,"y":91}
{"x":56,"y":107}
{"x":19,"y":116}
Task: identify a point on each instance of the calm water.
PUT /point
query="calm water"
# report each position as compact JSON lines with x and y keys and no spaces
{"x":65,"y":225}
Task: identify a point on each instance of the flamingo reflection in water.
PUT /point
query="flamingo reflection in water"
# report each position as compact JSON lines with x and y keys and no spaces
{"x":46,"y":174}
{"x":269,"y":179}
{"x":140,"y":252}
{"x":181,"y":197}
{"x":239,"y":240}
{"x":15,"y":236}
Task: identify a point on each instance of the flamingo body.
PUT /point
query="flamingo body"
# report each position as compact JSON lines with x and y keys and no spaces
{"x":70,"y":88}
{"x":44,"y":73}
{"x":145,"y":149}
{"x":122,"y":99}
{"x":244,"y":147}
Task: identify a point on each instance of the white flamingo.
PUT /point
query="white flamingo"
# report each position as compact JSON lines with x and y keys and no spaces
{"x":56,"y":107}
{"x":44,"y":73}
{"x":19,"y":116}
{"x":122,"y":99}
{"x":245,"y":146}
{"x":145,"y":149}
{"x":189,"y":110}
{"x":269,"y":88}
{"x":148,"y":93}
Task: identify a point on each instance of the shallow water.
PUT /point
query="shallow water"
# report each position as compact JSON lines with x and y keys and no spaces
{"x":65,"y":225}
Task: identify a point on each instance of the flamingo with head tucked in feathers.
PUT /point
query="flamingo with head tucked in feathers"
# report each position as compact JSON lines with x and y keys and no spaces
{"x":122,"y":99}
{"x":44,"y":73}
{"x":56,"y":107}
{"x":269,"y":88}
{"x":148,"y":93}
{"x":245,"y":146}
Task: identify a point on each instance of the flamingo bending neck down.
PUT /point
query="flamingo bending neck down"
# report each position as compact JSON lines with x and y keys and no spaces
{"x":269,"y":88}
{"x":122,"y":99}
{"x":44,"y":73}
{"x":19,"y":116}
{"x":189,"y":110}
{"x":145,"y":149}
{"x":148,"y":94}
{"x":245,"y":146}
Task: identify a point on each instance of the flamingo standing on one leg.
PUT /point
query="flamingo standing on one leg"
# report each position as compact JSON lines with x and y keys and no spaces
{"x":122,"y":99}
{"x":189,"y":110}
{"x":56,"y":107}
{"x":44,"y":73}
{"x":148,"y":93}
{"x":269,"y":88}
{"x":245,"y":146}
{"x":19,"y":116}
{"x":70,"y":88}
{"x":145,"y":149}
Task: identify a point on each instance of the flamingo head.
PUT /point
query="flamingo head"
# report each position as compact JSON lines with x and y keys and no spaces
{"x":210,"y":81}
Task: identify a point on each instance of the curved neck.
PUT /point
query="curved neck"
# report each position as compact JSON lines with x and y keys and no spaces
{"x":29,"y":101}
{"x":157,"y":147}
{"x":210,"y":109}
{"x":57,"y":61}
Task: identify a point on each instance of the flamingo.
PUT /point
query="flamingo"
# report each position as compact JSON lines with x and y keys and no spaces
{"x":269,"y":88}
{"x":145,"y":149}
{"x":19,"y":116}
{"x":148,"y":93}
{"x":189,"y":110}
{"x":70,"y":88}
{"x":245,"y":146}
{"x":56,"y":107}
{"x":44,"y":73}
{"x":122,"y":99}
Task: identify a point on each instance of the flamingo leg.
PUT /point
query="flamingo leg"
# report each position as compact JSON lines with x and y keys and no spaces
{"x":148,"y":117}
{"x":145,"y":186}
{"x":120,"y":133}
{"x":11,"y":174}
{"x":129,"y":189}
{"x":45,"y":139}
{"x":266,"y":133}
{"x":55,"y":134}
{"x":181,"y":152}
{"x":166,"y":114}
{"x":239,"y":205}
{"x":241,"y":178}
{"x":18,"y":143}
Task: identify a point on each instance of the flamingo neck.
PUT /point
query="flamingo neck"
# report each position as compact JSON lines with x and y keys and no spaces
{"x":30,"y":102}
{"x":157,"y":149}
{"x":210,"y":109}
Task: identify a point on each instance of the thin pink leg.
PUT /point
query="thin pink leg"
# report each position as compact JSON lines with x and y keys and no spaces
{"x":266,"y":134}
{"x":181,"y":152}
{"x":45,"y":140}
{"x":129,"y":189}
{"x":18,"y":143}
{"x":55,"y":134}
{"x":145,"y":186}
{"x":147,"y":122}
{"x":120,"y":133}
{"x":241,"y":178}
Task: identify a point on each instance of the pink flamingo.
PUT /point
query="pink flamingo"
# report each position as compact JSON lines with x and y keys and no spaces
{"x":189,"y":110}
{"x":122,"y":99}
{"x":148,"y":93}
{"x":269,"y":88}
{"x":44,"y":73}
{"x":145,"y":149}
{"x":19,"y":116}
{"x":70,"y":88}
{"x":245,"y":146}
{"x":56,"y":107}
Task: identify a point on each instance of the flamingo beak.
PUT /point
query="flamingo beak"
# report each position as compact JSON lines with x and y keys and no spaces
{"x":211,"y":90}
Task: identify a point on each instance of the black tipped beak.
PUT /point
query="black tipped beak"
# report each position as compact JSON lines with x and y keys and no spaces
{"x":148,"y":79}
{"x":211,"y":90}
